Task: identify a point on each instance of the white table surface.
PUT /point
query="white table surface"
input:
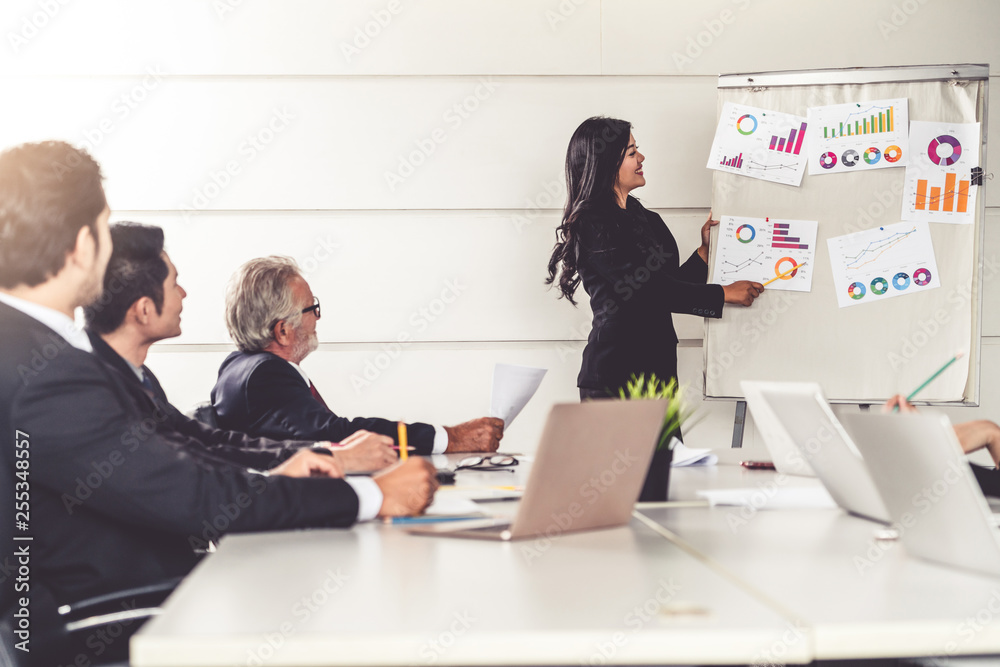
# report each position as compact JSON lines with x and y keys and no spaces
{"x":408,"y":600}
{"x":861,"y":597}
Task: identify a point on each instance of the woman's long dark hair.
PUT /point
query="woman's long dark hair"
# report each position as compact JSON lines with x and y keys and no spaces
{"x":594,"y":156}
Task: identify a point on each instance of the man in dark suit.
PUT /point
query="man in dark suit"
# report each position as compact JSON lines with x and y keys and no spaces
{"x":271,"y":315}
{"x":140,"y":305}
{"x":112,"y":498}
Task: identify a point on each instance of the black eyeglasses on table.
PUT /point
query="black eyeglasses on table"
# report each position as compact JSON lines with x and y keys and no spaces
{"x":495,"y":462}
{"x":314,"y":308}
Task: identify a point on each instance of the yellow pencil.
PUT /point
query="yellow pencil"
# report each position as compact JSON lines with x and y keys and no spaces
{"x":404,"y":450}
{"x":782,"y":275}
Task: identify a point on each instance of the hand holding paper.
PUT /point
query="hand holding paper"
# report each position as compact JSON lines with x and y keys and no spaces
{"x":513,"y":387}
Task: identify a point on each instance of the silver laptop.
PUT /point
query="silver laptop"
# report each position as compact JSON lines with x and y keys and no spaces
{"x":787,"y":458}
{"x":588,"y":470}
{"x":803,"y":413}
{"x":933,"y":497}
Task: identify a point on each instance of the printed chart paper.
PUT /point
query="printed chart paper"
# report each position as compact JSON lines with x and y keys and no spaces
{"x":759,"y":249}
{"x":883,"y":262}
{"x":858,"y":136}
{"x":764,"y":144}
{"x":939,"y":174}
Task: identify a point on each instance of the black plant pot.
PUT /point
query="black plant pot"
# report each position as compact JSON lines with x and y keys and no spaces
{"x":657,"y":483}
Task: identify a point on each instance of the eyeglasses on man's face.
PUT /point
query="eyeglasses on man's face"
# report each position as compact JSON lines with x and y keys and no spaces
{"x":313,"y":308}
{"x":496,"y":462}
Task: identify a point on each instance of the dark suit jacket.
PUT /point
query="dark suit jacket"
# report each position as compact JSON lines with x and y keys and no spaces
{"x":232,"y":446}
{"x":117,"y":498}
{"x":263,"y":395}
{"x":629,"y":265}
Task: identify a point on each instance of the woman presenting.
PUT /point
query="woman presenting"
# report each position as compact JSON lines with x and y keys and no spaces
{"x":628,"y":262}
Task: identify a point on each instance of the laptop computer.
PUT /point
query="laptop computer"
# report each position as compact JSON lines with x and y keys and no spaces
{"x":787,"y":458}
{"x":803,"y":413}
{"x":930,"y":490}
{"x":590,"y":465}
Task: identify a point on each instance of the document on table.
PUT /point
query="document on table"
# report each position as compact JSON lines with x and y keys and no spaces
{"x":686,"y":456}
{"x":771,"y":498}
{"x":513,"y":387}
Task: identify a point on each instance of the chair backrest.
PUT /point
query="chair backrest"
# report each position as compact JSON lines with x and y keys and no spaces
{"x":205,"y":413}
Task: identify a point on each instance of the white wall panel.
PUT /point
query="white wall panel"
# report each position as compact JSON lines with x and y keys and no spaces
{"x":727,"y":36}
{"x":428,"y":383}
{"x":295,"y":37}
{"x":428,"y":276}
{"x":318,"y":143}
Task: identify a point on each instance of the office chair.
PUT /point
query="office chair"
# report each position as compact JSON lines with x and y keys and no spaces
{"x":97,"y":628}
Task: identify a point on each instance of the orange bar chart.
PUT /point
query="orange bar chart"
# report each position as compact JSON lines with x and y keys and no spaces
{"x":952,"y":200}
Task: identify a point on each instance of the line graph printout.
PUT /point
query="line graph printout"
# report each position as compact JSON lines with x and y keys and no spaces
{"x":759,"y":249}
{"x":760,"y":143}
{"x":938,"y":185}
{"x":858,"y":136}
{"x":883,"y":262}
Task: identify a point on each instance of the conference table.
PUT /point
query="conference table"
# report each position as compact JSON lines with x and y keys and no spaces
{"x":682,"y":583}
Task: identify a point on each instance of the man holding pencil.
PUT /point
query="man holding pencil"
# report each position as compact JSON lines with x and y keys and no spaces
{"x":271,"y":315}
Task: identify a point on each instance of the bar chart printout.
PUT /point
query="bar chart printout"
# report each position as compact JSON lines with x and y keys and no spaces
{"x":760,"y":143}
{"x":759,"y":249}
{"x":883,"y":262}
{"x":858,"y":136}
{"x":938,"y":185}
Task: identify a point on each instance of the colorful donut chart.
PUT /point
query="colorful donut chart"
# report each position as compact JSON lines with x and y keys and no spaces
{"x":880,"y":285}
{"x":956,"y":150}
{"x":828,"y":160}
{"x":872,"y":155}
{"x":739,"y":233}
{"x":901,"y":281}
{"x":921,"y":276}
{"x":739,"y":124}
{"x":892,"y":153}
{"x":850,"y":157}
{"x":780,"y":267}
{"x":856,"y":291}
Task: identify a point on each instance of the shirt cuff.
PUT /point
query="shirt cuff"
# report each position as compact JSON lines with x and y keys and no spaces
{"x":369,"y":496}
{"x":440,"y":440}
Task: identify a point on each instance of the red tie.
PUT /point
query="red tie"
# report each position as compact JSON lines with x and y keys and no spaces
{"x":315,"y":394}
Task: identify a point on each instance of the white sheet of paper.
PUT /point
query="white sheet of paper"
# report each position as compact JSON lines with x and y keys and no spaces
{"x":796,"y":497}
{"x":858,"y":136}
{"x":687,"y":457}
{"x":759,"y":249}
{"x":938,"y":184}
{"x":513,"y":387}
{"x":883,"y":262}
{"x":452,"y":505}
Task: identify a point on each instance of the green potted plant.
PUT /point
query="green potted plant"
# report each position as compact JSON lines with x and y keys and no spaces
{"x":657,"y":483}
